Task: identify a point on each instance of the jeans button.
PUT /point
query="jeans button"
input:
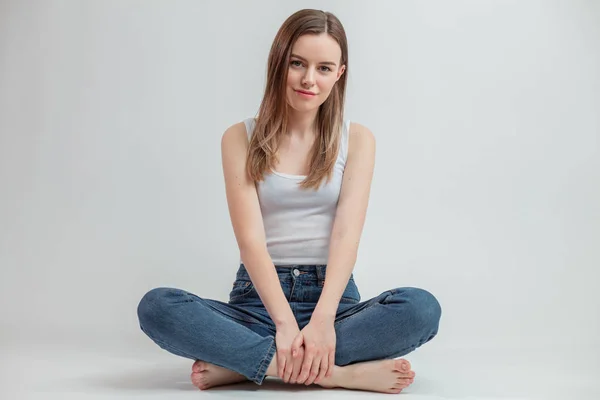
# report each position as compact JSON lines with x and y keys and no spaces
{"x":296,"y":272}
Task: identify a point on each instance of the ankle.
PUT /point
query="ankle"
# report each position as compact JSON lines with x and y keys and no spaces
{"x":272,"y":369}
{"x":342,"y":374}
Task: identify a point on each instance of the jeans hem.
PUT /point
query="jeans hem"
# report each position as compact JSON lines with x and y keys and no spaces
{"x":404,"y":352}
{"x":176,"y":351}
{"x":261,"y":374}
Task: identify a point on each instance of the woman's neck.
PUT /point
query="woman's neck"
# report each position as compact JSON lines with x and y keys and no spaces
{"x":302,"y":125}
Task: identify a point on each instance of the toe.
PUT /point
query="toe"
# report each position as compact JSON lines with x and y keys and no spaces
{"x":402,"y":365}
{"x":403,"y":382}
{"x":199,"y":380}
{"x":196,"y":379}
{"x":199,"y":366}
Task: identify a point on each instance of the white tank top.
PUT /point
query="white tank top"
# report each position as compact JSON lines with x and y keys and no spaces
{"x":298,"y":222}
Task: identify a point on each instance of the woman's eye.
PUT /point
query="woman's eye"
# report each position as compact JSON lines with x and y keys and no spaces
{"x":297,"y":63}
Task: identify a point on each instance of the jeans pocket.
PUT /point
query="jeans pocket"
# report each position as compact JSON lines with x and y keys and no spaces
{"x":241,"y":289}
{"x":351,"y":294}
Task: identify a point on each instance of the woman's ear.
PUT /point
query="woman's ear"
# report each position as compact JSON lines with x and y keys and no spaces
{"x":340,"y":72}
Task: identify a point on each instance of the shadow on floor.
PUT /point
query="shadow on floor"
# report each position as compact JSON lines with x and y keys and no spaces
{"x":167,"y":378}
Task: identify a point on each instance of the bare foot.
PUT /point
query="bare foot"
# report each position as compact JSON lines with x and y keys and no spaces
{"x":206,"y":375}
{"x":386,"y":376}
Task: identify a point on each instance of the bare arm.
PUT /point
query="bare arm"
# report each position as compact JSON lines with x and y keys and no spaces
{"x":246,"y":218}
{"x":349,"y":219}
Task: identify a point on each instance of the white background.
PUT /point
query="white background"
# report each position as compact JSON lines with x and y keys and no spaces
{"x":487,"y":180}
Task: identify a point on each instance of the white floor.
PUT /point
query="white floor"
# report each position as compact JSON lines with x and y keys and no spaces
{"x":96,"y":369}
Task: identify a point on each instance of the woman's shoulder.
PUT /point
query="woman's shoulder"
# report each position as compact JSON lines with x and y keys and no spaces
{"x":359,"y":137}
{"x":357,"y":129}
{"x":240,"y":129}
{"x":235,"y":136}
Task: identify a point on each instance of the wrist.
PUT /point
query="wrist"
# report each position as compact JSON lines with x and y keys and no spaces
{"x":322,"y":315}
{"x":285,"y":321}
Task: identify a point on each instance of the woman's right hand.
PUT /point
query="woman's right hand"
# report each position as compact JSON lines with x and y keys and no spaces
{"x":288,"y":367}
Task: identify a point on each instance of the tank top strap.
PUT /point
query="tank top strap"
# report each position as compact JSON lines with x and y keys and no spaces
{"x":343,"y":154}
{"x":250,"y":124}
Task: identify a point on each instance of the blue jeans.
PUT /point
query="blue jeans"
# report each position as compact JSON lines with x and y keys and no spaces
{"x":240,"y":335}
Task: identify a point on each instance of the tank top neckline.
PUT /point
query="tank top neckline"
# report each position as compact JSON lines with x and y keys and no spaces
{"x":345,"y":126}
{"x":288,"y":176}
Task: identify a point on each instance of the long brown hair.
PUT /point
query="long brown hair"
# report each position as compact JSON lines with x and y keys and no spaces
{"x":272,"y":117}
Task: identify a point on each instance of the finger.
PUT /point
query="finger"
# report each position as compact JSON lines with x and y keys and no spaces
{"x":287,"y":373}
{"x":289,"y":368}
{"x":293,"y":374}
{"x":280,"y":364}
{"x":298,"y":365}
{"x":314,"y":370}
{"x":295,"y":378}
{"x":323,"y":368}
{"x":296,"y":344}
{"x":306,"y":365}
{"x":295,"y":370}
{"x":331,"y":364}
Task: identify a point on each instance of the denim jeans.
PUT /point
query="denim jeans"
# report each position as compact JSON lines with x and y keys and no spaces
{"x":239,"y":335}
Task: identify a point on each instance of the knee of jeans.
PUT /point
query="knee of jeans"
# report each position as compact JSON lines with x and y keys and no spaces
{"x":425,"y":307}
{"x":154,"y":305}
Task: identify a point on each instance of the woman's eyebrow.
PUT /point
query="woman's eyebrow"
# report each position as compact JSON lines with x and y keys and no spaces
{"x":323,"y":62}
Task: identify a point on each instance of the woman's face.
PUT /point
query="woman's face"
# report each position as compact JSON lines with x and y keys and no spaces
{"x":314,"y":67}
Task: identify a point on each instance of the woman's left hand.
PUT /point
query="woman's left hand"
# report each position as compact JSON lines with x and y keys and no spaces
{"x":319,"y":350}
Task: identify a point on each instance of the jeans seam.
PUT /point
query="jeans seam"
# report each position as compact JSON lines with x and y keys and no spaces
{"x":262,"y":368}
{"x":246,"y":319}
{"x":338,"y":323}
{"x":240,"y":296}
{"x":360,"y":312}
{"x":353,"y":300}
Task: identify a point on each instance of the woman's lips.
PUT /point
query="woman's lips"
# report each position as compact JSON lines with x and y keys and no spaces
{"x":304,"y":94}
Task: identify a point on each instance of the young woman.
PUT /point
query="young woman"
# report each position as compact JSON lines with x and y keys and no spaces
{"x":297,"y":181}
